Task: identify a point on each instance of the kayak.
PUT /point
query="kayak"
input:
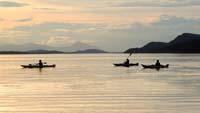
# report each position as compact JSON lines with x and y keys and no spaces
{"x":126,"y":65}
{"x":154,"y":66}
{"x":37,"y":66}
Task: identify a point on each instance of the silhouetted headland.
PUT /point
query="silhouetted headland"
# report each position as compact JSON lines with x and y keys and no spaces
{"x":185,"y":43}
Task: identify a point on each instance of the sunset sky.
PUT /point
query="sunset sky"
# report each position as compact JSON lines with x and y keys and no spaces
{"x":108,"y":24}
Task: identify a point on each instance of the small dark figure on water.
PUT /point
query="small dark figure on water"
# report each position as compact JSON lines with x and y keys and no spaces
{"x":40,"y":64}
{"x":158,"y":63}
{"x":127,"y":61}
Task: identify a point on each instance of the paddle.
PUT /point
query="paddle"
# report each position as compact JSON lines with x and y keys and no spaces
{"x":128,"y":58}
{"x":129,"y":55}
{"x":38,"y":63}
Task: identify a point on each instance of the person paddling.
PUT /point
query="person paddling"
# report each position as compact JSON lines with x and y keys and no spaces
{"x":40,"y":64}
{"x":158,"y":63}
{"x":127,"y":61}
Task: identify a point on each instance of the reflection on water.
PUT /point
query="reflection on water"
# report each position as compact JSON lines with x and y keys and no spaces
{"x":91,"y":84}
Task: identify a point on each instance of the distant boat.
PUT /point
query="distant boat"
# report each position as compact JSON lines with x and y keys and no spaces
{"x":126,"y":65}
{"x":154,"y":66}
{"x":37,"y":66}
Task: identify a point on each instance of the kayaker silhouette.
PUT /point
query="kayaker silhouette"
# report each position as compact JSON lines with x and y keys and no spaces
{"x":40,"y":64}
{"x":158,"y":63}
{"x":127,"y":61}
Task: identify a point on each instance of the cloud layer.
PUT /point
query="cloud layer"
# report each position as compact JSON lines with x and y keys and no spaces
{"x":1,"y":19}
{"x":24,"y":19}
{"x":156,"y":3}
{"x":108,"y":37}
{"x":109,"y":24}
{"x":11,"y":4}
{"x":126,"y":3}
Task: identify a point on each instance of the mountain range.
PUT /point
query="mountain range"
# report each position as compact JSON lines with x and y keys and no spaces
{"x":32,"y":47}
{"x":184,"y":43}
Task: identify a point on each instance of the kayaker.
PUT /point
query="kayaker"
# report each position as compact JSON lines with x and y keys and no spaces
{"x":158,"y":63}
{"x":40,"y":64}
{"x":127,"y":61}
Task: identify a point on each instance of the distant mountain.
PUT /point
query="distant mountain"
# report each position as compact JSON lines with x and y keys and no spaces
{"x":31,"y":52}
{"x":91,"y":51}
{"x":12,"y":52}
{"x":32,"y":46}
{"x":185,"y":43}
{"x":41,"y":51}
{"x":152,"y":47}
{"x":185,"y":38}
{"x":24,"y":47}
{"x":76,"y":47}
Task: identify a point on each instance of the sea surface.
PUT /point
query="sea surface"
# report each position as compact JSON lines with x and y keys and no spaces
{"x":89,"y":83}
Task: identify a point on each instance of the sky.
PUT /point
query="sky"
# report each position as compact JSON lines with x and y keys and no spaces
{"x":112,"y":25}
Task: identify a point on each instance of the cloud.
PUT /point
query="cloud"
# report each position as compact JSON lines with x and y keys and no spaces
{"x":166,"y":28}
{"x":109,"y":37}
{"x":58,"y":41}
{"x":155,"y":3}
{"x":12,"y":36}
{"x":74,"y":2}
{"x":1,"y":19}
{"x":24,"y":19}
{"x":18,"y":20}
{"x":56,"y":31}
{"x":45,"y":9}
{"x":11,"y":4}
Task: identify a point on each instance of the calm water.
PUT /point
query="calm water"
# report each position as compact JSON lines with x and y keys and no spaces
{"x":91,"y":84}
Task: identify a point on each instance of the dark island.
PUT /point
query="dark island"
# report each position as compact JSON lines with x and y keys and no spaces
{"x":185,"y":43}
